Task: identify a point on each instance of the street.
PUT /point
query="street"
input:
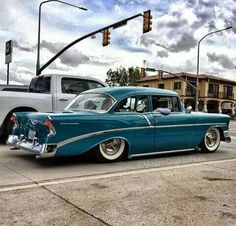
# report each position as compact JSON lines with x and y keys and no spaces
{"x":187,"y":188}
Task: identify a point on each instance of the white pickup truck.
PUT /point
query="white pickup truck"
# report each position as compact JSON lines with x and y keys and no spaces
{"x":46,"y":93}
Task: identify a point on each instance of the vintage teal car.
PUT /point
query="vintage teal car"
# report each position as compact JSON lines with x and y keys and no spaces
{"x":114,"y":122}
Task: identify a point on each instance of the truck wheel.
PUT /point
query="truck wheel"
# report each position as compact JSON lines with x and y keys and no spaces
{"x":211,"y":140}
{"x":6,"y":130}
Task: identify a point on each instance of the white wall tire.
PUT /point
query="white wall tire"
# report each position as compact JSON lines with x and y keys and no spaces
{"x":211,"y":140}
{"x":111,"y":150}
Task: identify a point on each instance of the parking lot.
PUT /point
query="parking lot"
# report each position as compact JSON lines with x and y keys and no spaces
{"x":178,"y":189}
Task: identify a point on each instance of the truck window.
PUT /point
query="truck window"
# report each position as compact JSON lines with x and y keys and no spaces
{"x":93,"y":84}
{"x":40,"y":84}
{"x":72,"y":85}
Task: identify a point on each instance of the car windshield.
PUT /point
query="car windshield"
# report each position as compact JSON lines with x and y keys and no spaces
{"x":91,"y":102}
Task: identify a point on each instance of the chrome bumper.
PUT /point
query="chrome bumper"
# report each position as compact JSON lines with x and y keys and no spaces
{"x":41,"y":150}
{"x":227,"y":138}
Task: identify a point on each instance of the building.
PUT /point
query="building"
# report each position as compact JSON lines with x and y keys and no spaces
{"x":216,"y":95}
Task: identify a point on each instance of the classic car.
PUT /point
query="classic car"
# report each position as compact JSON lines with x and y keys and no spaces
{"x":115,"y":122}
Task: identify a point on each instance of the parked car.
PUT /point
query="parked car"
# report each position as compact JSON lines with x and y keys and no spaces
{"x":46,"y":93}
{"x":114,"y":122}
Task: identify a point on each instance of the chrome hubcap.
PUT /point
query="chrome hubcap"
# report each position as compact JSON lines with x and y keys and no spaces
{"x":111,"y":147}
{"x":211,"y":138}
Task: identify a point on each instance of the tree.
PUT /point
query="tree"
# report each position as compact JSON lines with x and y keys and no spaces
{"x":122,"y":76}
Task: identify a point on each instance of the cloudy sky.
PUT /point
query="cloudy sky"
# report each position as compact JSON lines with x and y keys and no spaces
{"x":171,"y":45}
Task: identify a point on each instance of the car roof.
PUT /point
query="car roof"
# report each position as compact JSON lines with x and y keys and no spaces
{"x":123,"y":91}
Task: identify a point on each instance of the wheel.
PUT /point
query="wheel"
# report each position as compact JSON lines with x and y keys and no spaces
{"x":111,"y":151}
{"x":211,"y":140}
{"x":7,"y":128}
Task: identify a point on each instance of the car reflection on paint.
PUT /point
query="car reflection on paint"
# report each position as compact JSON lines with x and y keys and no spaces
{"x":116,"y":122}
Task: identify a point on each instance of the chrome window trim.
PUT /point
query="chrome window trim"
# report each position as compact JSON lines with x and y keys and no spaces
{"x":103,"y":112}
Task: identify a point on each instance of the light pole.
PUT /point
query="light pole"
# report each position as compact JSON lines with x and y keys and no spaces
{"x":39,"y":27}
{"x":198,"y":52}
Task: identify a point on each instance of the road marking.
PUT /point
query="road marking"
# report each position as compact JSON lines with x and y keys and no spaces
{"x":36,"y":184}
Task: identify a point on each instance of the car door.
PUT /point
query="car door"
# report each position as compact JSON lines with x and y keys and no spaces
{"x":173,"y":131}
{"x":135,"y":112}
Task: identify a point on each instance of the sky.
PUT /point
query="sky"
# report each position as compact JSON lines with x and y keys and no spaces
{"x":177,"y":27}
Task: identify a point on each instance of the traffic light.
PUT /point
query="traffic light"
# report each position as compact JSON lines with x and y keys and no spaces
{"x":106,"y":37}
{"x":8,"y":51}
{"x":143,"y":73}
{"x":160,"y":74}
{"x":147,"y":21}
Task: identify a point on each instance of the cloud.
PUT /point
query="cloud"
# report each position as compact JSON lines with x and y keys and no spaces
{"x":222,"y":59}
{"x":185,"y":43}
{"x":162,"y":54}
{"x":22,"y":48}
{"x":72,"y":57}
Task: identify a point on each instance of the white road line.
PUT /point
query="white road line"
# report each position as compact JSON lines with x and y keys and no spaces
{"x":110,"y":175}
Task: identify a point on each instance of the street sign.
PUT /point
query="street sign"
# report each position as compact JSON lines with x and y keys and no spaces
{"x":150,"y":69}
{"x":8,"y":52}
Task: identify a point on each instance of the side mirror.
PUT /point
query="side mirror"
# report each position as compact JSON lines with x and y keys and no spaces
{"x":189,"y":109}
{"x":163,"y":111}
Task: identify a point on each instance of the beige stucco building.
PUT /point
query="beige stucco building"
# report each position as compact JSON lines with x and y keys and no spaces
{"x":216,"y":94}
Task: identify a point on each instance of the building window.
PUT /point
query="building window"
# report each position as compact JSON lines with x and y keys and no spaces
{"x":145,"y":85}
{"x":213,"y":90}
{"x":161,"y":86}
{"x":228,"y":92}
{"x":177,"y":85}
{"x":190,"y":91}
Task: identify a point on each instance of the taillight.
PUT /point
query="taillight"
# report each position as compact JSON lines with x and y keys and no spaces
{"x":14,"y":121}
{"x":49,"y":124}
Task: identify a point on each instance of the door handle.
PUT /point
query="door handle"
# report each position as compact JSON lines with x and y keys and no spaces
{"x":157,"y":115}
{"x":63,"y":99}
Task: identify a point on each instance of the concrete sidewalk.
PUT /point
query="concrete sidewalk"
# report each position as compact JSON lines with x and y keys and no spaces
{"x":193,"y":194}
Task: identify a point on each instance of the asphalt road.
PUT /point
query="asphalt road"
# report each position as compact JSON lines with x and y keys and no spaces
{"x":179,"y":189}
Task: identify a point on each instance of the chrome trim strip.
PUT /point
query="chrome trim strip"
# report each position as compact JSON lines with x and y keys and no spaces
{"x":187,"y":125}
{"x":160,"y":152}
{"x":148,"y":121}
{"x":80,"y":137}
{"x":77,"y":138}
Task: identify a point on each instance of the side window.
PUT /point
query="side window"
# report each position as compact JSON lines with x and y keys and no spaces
{"x":72,"y":85}
{"x":133,"y":104}
{"x":40,"y":84}
{"x":93,"y":84}
{"x":169,"y":102}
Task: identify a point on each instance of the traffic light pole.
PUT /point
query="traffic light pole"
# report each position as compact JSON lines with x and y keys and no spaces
{"x":7,"y":73}
{"x":185,"y":80}
{"x":114,"y":25}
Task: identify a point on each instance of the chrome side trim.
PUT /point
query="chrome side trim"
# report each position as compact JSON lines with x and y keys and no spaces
{"x":188,"y":125}
{"x":159,"y":152}
{"x":77,"y":138}
{"x":148,"y":121}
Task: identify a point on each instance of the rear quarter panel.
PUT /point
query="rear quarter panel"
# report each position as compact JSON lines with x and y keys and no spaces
{"x":78,"y":134}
